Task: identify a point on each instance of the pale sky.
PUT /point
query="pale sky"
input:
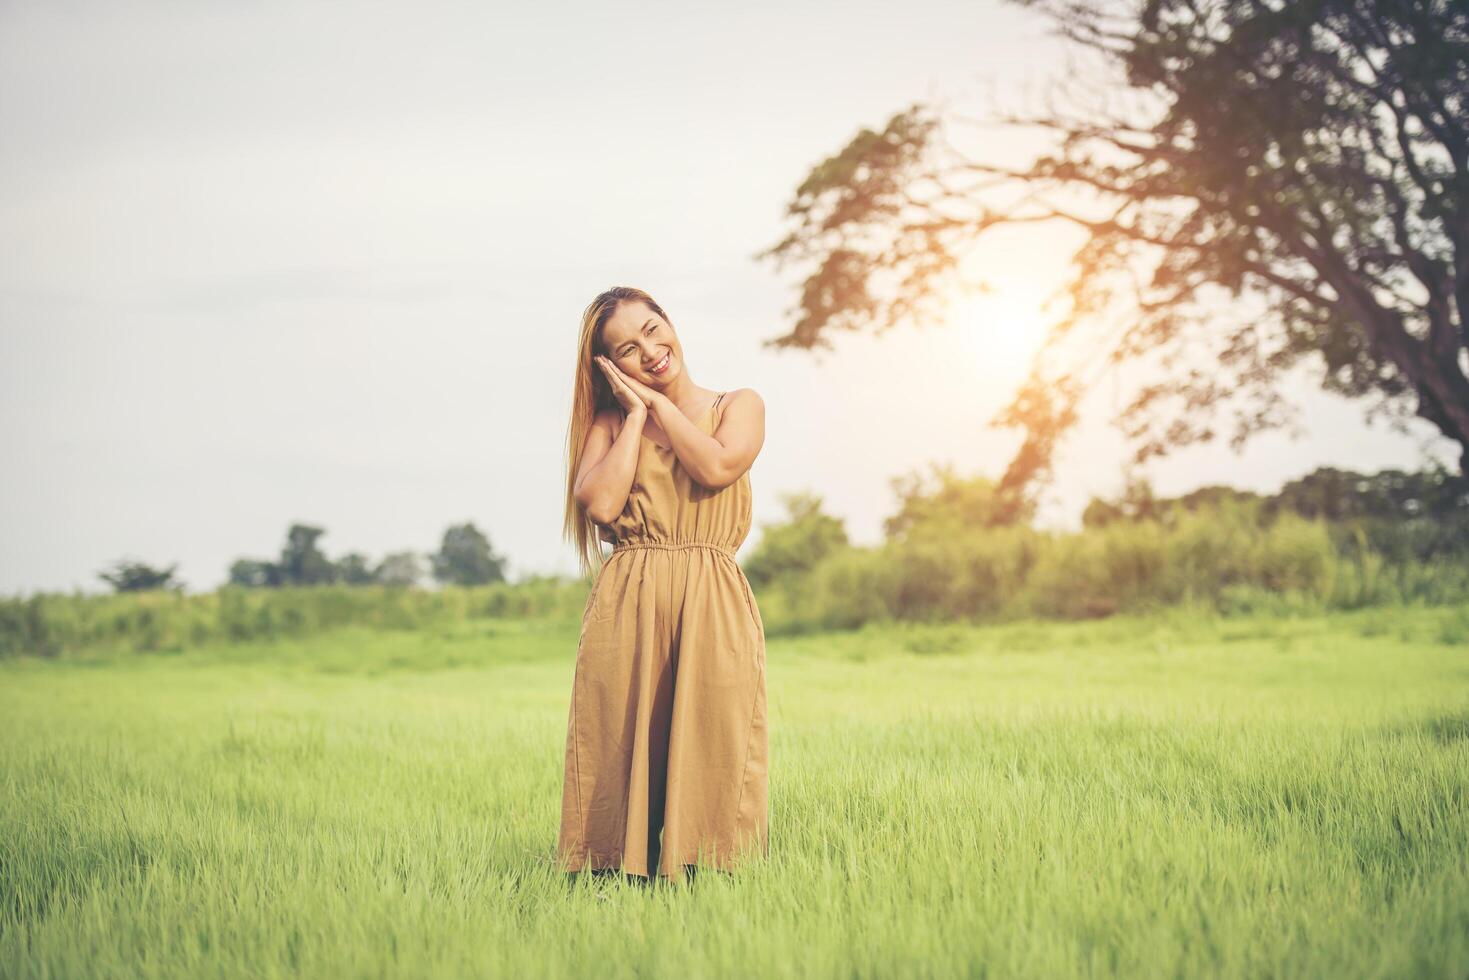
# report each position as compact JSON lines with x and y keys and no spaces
{"x":274,"y":262}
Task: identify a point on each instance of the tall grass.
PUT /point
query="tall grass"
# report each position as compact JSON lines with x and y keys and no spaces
{"x":1179,"y":795}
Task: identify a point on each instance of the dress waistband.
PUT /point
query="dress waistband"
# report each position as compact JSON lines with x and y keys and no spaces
{"x":672,"y":546}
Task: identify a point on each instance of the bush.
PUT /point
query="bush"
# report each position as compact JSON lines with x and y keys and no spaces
{"x":54,"y":625}
{"x":1228,"y":556}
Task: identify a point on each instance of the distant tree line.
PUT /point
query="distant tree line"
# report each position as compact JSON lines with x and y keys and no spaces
{"x":464,"y":557}
{"x":959,"y":548}
{"x":1428,"y":510}
{"x":952,"y":550}
{"x":1404,"y":516}
{"x":1327,"y":493}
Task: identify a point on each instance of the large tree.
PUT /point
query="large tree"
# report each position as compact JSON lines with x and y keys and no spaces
{"x":301,"y":561}
{"x":1309,"y":156}
{"x":465,"y":557}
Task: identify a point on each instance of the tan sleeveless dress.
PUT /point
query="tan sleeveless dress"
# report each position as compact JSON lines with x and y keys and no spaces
{"x":666,"y":731}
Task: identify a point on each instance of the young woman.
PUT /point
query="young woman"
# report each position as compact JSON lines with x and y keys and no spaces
{"x":666,"y":736}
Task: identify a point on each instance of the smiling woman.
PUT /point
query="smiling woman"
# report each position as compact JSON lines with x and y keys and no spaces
{"x":666,"y":745}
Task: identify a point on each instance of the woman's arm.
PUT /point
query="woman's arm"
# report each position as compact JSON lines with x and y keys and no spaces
{"x":715,"y":461}
{"x":604,"y":478}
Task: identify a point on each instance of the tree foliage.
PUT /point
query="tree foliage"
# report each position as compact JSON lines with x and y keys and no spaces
{"x":127,"y":575}
{"x":400,"y":568}
{"x":301,"y":561}
{"x":793,"y":547}
{"x":1326,"y":493}
{"x":466,"y":558}
{"x":1311,"y":157}
{"x":950,"y":504}
{"x":354,"y":568}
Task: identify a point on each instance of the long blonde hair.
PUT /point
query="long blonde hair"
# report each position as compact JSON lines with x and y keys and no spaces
{"x":590,"y":393}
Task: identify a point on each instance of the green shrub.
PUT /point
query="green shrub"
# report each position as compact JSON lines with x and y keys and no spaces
{"x":1228,"y":557}
{"x":56,"y":624}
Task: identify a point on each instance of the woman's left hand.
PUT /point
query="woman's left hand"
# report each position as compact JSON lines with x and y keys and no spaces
{"x":648,"y":395}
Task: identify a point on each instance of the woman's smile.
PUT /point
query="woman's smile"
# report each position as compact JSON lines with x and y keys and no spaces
{"x":662,"y":366}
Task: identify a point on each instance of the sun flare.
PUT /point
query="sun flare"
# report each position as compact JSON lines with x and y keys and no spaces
{"x":1003,"y":328}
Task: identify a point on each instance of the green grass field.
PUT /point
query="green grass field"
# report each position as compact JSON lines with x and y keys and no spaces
{"x":1176,"y":795}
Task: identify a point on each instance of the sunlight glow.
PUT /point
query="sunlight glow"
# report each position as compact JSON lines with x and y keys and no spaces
{"x":1003,"y":329}
{"x":1004,"y":303}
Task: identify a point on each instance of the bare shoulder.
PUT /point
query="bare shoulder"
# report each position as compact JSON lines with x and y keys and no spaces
{"x":741,"y":433}
{"x":745,"y":396}
{"x":749,"y":415}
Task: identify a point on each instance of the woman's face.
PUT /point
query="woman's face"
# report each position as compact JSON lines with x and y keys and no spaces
{"x":638,"y":340}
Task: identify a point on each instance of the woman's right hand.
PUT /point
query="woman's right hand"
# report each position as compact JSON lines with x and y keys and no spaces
{"x":632,"y":403}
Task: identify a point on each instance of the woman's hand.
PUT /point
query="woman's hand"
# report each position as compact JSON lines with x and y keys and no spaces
{"x":632,"y":395}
